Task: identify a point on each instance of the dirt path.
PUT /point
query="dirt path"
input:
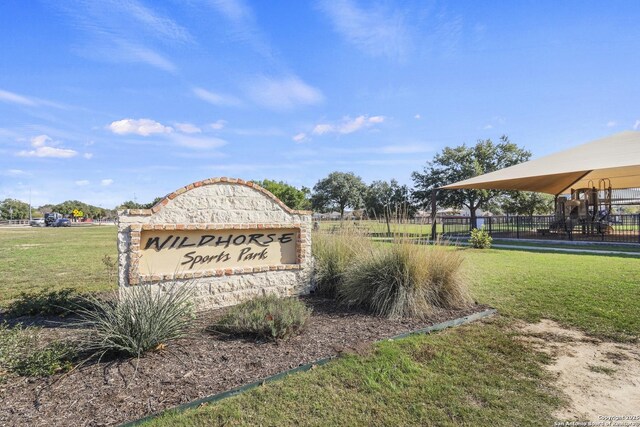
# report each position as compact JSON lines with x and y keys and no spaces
{"x":601,"y":379}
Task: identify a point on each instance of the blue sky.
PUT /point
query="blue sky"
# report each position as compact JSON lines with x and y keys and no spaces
{"x":108,"y":100}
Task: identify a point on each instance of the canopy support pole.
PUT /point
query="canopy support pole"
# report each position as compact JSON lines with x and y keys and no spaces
{"x":433,"y":214}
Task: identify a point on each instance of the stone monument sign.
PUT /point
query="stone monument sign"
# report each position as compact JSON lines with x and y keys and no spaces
{"x":229,"y":239}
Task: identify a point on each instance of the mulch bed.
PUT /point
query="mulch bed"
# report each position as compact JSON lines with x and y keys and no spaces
{"x":113,"y":392}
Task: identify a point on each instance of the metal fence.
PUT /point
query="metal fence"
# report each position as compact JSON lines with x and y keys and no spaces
{"x":619,"y":229}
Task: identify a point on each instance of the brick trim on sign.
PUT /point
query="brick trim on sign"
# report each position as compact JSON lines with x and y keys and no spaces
{"x":135,"y":233}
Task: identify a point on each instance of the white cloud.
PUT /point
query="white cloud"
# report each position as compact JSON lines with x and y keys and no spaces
{"x":636,"y":126}
{"x":59,"y":153}
{"x":106,"y":182}
{"x":376,"y":31}
{"x":197,"y":142}
{"x":88,"y":156}
{"x":283,"y":93}
{"x":143,"y":127}
{"x":187,"y":128}
{"x":82,"y":182}
{"x":487,"y":127}
{"x":221,"y":100}
{"x":219,"y":124}
{"x":15,"y":172}
{"x":40,"y":140}
{"x":323,"y":128}
{"x":611,"y":123}
{"x":42,"y":150}
{"x":299,"y":137}
{"x":348,"y":125}
{"x":417,"y":117}
{"x":14,"y":98}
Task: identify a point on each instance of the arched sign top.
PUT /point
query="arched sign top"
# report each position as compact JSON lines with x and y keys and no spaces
{"x":213,"y":181}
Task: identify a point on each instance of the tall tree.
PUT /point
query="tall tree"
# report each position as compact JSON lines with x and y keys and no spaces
{"x":388,"y":199}
{"x":526,"y":203}
{"x":14,"y":209}
{"x":463,"y":162}
{"x":290,"y":195}
{"x":338,"y":191}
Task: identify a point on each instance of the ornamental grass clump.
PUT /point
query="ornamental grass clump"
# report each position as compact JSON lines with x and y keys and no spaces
{"x":142,"y":319}
{"x":404,"y":279}
{"x":333,"y":252}
{"x":267,"y":317}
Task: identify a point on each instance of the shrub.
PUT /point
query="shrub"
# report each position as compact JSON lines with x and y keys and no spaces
{"x":267,"y":317}
{"x":333,"y":253}
{"x":480,"y":239}
{"x":403,"y":279}
{"x":55,"y":357}
{"x":22,"y":353}
{"x":45,"y":303}
{"x":142,"y":319}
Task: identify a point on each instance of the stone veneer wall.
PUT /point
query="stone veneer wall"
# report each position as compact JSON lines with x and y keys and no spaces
{"x":217,"y":204}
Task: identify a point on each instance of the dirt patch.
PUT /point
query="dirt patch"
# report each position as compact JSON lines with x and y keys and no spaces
{"x":109,"y":393}
{"x":600,"y":378}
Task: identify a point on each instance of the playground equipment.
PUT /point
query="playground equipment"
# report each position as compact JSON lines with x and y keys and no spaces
{"x":588,"y":208}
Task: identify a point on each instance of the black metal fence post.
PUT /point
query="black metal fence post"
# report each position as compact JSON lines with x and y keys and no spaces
{"x":517,"y":226}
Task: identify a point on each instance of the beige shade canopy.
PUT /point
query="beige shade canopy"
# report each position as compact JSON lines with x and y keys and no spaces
{"x":616,"y":157}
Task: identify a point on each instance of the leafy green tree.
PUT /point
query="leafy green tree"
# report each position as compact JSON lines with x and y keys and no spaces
{"x":464,"y":162}
{"x":14,"y":209}
{"x":130,"y":204}
{"x":388,"y":199}
{"x":338,"y":191}
{"x":291,"y":196}
{"x":526,"y":203}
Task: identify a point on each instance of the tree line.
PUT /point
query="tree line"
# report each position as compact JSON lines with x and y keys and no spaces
{"x":340,"y":191}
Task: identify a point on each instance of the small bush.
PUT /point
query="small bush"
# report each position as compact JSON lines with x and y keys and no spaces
{"x":142,"y":319}
{"x":55,"y":357}
{"x":480,"y":239}
{"x":22,"y":353}
{"x":405,"y":280}
{"x":267,"y":317}
{"x":45,"y":303}
{"x":333,"y":253}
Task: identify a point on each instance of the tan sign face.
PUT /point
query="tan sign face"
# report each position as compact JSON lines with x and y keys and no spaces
{"x":169,"y":252}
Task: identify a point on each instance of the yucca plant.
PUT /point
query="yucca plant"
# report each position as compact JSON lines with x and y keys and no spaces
{"x":403,"y":279}
{"x":143,"y":318}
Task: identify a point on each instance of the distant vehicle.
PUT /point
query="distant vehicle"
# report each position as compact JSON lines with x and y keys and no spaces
{"x":37,"y":222}
{"x":50,"y":218}
{"x":62,"y":222}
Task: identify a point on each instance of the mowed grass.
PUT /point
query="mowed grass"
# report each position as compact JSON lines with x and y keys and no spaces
{"x":475,"y":375}
{"x":479,"y":374}
{"x":36,"y":258}
{"x":595,"y":293}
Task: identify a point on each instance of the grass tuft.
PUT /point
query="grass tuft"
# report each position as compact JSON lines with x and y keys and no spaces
{"x":405,"y":280}
{"x":267,"y":317}
{"x":333,"y":253}
{"x":140,"y":320}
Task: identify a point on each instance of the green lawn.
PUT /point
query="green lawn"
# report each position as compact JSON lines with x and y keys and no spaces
{"x":473,"y":375}
{"x":53,"y":258}
{"x":595,"y":293}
